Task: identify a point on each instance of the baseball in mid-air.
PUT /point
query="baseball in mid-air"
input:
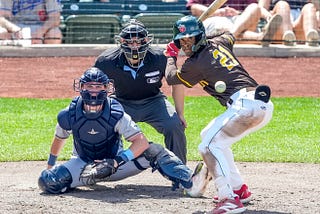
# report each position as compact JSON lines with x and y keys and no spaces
{"x":220,"y":86}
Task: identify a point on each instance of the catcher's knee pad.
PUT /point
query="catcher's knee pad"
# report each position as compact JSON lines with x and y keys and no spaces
{"x":154,"y":152}
{"x":55,"y":180}
{"x":169,"y":165}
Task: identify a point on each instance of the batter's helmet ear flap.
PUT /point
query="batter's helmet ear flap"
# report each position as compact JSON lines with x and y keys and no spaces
{"x":177,"y":43}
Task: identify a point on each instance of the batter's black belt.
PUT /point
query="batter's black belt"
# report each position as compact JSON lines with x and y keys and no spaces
{"x":230,"y":101}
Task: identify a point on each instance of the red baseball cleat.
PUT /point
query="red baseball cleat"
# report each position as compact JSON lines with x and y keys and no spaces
{"x":243,"y":193}
{"x":228,"y":206}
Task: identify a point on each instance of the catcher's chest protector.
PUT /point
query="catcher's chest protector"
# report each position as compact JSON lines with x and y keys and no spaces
{"x":94,"y":137}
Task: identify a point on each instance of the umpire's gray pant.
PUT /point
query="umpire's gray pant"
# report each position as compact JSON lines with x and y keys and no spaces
{"x":158,"y":112}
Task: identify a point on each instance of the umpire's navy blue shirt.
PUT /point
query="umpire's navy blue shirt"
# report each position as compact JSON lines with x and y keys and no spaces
{"x":131,"y":85}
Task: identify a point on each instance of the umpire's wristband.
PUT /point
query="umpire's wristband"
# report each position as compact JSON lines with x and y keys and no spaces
{"x":52,"y":160}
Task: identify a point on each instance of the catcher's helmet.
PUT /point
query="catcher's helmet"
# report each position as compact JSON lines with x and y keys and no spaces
{"x":92,"y":78}
{"x":189,"y":26}
{"x":134,"y":32}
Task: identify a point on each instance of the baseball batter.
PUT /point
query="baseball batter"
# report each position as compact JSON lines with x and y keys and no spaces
{"x":98,"y":123}
{"x":248,"y":105}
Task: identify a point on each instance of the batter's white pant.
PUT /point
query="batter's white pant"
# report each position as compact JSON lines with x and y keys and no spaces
{"x":244,"y":116}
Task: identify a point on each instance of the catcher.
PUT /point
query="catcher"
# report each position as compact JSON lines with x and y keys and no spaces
{"x":98,"y":123}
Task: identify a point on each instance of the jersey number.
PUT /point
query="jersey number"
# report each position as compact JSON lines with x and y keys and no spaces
{"x":225,"y":58}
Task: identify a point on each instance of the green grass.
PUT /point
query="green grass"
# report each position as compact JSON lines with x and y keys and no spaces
{"x":27,"y":128}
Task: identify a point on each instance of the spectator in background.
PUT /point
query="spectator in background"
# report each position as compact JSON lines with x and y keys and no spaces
{"x":299,"y":20}
{"x":42,"y":17}
{"x":241,"y":18}
{"x":93,"y":0}
{"x":317,"y":5}
{"x":318,"y":20}
{"x":8,"y":30}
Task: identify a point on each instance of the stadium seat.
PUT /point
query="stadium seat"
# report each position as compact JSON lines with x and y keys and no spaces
{"x":87,"y":8}
{"x":159,"y":24}
{"x":155,"y":6}
{"x":91,"y":29}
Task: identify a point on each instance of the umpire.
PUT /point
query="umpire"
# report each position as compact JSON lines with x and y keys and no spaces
{"x":137,"y":71}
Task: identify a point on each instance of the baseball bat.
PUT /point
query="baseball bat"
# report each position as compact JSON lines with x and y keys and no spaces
{"x":215,"y":5}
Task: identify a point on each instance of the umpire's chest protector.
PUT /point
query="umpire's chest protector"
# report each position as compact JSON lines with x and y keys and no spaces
{"x":93,"y":134}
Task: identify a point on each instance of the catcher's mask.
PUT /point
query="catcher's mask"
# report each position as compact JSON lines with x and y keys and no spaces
{"x":94,"y":87}
{"x":134,"y":40}
{"x":186,"y":27}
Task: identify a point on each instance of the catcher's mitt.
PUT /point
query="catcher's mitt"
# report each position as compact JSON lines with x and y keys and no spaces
{"x":97,"y":171}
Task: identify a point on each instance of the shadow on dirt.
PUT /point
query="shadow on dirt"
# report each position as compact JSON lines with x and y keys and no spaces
{"x":262,"y":212}
{"x":122,"y":193}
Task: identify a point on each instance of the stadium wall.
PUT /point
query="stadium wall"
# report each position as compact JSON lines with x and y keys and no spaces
{"x":94,"y":50}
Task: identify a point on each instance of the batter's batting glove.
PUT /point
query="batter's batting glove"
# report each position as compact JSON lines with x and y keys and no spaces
{"x":172,"y":50}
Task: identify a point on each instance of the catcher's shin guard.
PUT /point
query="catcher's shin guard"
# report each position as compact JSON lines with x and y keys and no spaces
{"x":200,"y":180}
{"x":56,"y":180}
{"x":169,"y":166}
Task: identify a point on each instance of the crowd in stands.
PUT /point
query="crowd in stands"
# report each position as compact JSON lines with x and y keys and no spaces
{"x":299,"y":20}
{"x":241,"y":19}
{"x":251,"y":21}
{"x":42,"y":18}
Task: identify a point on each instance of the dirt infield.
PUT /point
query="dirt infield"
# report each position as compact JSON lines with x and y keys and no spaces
{"x":277,"y":187}
{"x":53,"y":77}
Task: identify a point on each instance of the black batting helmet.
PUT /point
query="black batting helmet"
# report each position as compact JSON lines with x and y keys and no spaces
{"x":189,"y":26}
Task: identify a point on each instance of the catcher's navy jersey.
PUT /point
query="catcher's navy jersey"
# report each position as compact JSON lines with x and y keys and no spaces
{"x":143,"y":83}
{"x":212,"y":63}
{"x":94,"y":134}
